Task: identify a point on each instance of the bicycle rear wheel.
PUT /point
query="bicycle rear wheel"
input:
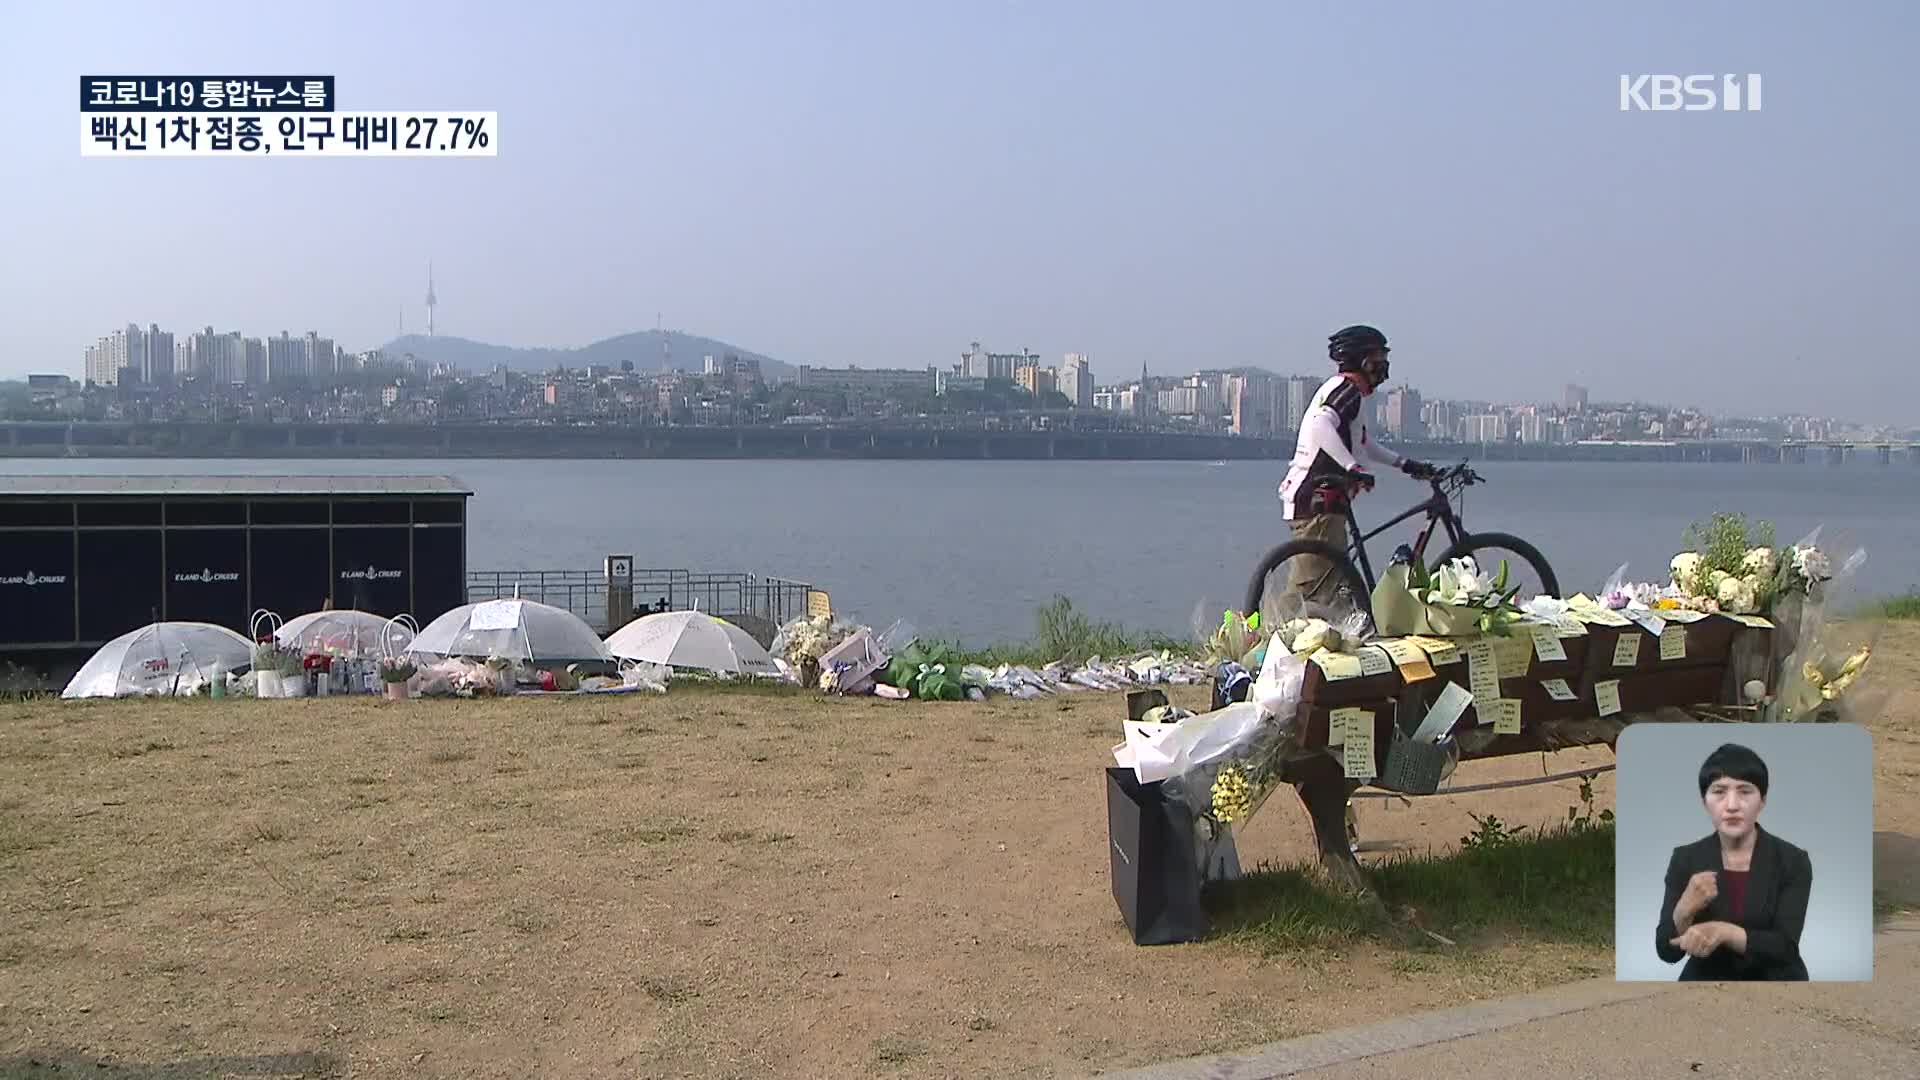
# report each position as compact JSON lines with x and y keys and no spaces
{"x":1338,"y":586}
{"x":1526,"y":567}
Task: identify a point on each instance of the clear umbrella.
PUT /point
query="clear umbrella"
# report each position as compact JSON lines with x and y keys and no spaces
{"x":691,"y":639}
{"x":524,"y":630}
{"x":343,"y":633}
{"x":161,"y":658}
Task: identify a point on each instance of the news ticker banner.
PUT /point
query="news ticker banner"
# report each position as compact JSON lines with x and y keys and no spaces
{"x":259,"y":116}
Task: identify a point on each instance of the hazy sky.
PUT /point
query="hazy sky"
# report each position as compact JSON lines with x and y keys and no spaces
{"x":1189,"y":185}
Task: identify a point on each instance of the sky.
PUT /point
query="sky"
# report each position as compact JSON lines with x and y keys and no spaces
{"x":1181,"y":185}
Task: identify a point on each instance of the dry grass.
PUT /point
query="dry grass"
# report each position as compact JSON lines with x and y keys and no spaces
{"x":697,"y":885}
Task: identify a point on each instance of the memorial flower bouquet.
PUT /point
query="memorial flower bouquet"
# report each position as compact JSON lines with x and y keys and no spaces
{"x":1736,"y":569}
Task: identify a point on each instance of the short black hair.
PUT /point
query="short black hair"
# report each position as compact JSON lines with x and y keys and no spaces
{"x":1733,"y":762}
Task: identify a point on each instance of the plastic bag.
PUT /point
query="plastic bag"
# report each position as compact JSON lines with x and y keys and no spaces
{"x":1277,"y":690}
{"x":1229,"y":761}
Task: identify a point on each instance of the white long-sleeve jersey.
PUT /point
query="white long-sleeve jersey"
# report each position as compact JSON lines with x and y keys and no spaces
{"x":1333,"y":437}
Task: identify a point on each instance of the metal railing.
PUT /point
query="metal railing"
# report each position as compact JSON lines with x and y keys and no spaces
{"x":584,"y":592}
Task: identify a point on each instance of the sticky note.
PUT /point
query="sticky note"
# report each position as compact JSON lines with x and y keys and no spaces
{"x":1439,"y":650}
{"x":1342,"y":721}
{"x":1337,"y":666}
{"x":1413,"y":663}
{"x":1567,"y":626}
{"x":1681,"y":615}
{"x":1673,"y":643}
{"x":1607,"y":695}
{"x":1558,"y":690}
{"x":1752,"y":620}
{"x":1356,"y":754}
{"x":1546,"y":644}
{"x":1445,"y":712}
{"x":1646,"y":620}
{"x":1483,"y":671}
{"x":1602,"y":617}
{"x":1626,"y":651}
{"x":1514,"y":654}
{"x":1506,"y":716}
{"x":1374,"y":661}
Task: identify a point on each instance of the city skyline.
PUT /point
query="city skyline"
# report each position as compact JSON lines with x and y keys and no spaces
{"x":1118,"y":180}
{"x":1243,"y":400}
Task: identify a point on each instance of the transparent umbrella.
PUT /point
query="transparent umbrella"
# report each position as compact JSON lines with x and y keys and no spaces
{"x":691,"y":639}
{"x":344,"y":633}
{"x":516,"y":629}
{"x":161,"y":658}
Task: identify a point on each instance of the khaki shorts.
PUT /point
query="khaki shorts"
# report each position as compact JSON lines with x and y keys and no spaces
{"x":1311,"y":576}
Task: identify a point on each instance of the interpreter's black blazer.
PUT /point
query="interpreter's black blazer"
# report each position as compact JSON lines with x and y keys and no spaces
{"x":1773,"y":913}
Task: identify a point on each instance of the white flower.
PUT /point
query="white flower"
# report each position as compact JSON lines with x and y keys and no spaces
{"x":1759,"y":563}
{"x":1736,"y":596}
{"x":1316,"y":635}
{"x":1686,"y":566}
{"x":1811,"y":563}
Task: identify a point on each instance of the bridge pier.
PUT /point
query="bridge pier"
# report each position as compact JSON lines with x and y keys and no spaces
{"x":1053,"y":448}
{"x":13,"y":436}
{"x":1883,"y":455}
{"x":1836,"y":455}
{"x":293,"y":436}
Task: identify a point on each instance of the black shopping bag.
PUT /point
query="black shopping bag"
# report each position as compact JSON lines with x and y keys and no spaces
{"x":1156,"y":868}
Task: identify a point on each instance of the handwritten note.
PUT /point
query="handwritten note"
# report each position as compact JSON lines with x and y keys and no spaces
{"x":1374,"y":661}
{"x":1341,"y":721}
{"x":1514,"y":655}
{"x":1356,"y":754}
{"x":1546,"y":644}
{"x":1646,"y":620}
{"x":1558,"y":690}
{"x":1337,"y":666}
{"x":1445,"y":712}
{"x":1682,"y":615}
{"x":1483,"y":671}
{"x":1567,"y":626}
{"x":1506,"y":716}
{"x":1598,"y":616}
{"x":1607,"y":696}
{"x":495,"y":615}
{"x":1439,"y":650}
{"x":1753,"y":621}
{"x":1626,"y":651}
{"x":1673,"y":643}
{"x":1413,"y":663}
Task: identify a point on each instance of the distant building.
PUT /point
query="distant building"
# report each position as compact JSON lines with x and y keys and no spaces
{"x":1483,"y":428}
{"x":1576,"y":398}
{"x":1300,"y":391}
{"x":1400,"y":414}
{"x":1250,"y":405}
{"x":981,"y":364}
{"x":1076,"y":380}
{"x":866,"y":380}
{"x":1036,"y":380}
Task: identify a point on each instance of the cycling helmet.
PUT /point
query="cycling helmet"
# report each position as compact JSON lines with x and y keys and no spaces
{"x":1348,"y":348}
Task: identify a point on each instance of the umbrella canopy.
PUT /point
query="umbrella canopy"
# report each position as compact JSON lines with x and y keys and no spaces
{"x":691,"y":639}
{"x":160,"y":658}
{"x":343,"y":633}
{"x":517,"y":629}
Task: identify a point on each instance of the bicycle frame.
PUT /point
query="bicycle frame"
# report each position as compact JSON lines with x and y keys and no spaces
{"x":1439,"y":510}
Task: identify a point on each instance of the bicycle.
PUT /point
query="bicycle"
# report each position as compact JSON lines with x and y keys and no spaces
{"x":1355,"y":570}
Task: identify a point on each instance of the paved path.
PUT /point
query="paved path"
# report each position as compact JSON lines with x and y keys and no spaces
{"x":1601,"y":1030}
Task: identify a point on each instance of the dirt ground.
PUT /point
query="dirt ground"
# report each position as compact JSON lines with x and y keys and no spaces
{"x":697,"y":885}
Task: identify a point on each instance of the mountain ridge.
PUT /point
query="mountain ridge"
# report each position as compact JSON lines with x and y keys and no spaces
{"x":645,"y":348}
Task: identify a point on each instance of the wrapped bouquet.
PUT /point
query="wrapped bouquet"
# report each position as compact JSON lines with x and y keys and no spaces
{"x":1458,"y":597}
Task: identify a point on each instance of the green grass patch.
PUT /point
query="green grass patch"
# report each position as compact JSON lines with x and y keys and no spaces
{"x":1064,"y":633}
{"x":1554,"y":884}
{"x":1905,"y":606}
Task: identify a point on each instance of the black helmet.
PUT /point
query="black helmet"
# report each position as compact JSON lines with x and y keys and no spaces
{"x":1347,"y":348}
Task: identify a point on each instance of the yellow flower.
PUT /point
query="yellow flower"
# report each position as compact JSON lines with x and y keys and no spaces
{"x":1232,"y":795}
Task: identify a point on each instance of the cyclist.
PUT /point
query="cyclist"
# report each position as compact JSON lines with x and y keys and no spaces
{"x":1326,"y":470}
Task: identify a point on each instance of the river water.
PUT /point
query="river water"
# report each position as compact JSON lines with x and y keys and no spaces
{"x":971,"y":549}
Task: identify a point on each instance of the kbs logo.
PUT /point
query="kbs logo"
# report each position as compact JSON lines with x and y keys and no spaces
{"x":206,"y":577}
{"x":1689,"y":93}
{"x":369,"y":574}
{"x":31,"y":579}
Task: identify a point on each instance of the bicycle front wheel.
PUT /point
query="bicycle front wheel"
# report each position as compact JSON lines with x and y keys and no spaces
{"x":1526,"y":567}
{"x":1302,"y":572}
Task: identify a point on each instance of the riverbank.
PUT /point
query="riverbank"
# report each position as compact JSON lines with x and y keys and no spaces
{"x":709,"y":883}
